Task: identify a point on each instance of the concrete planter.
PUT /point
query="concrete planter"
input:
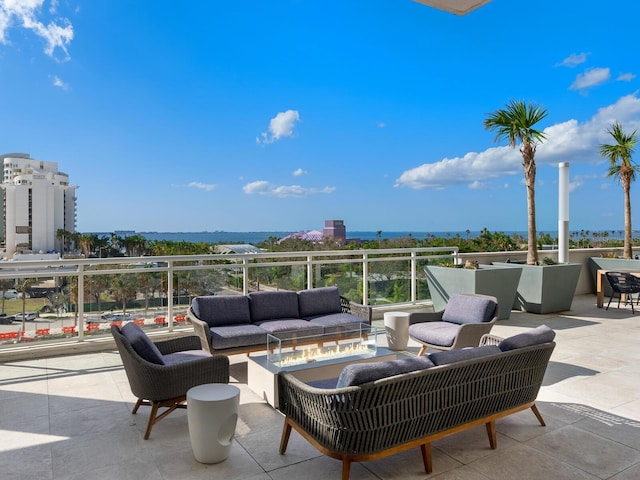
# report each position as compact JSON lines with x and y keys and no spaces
{"x":546,"y":288}
{"x":498,"y":281}
{"x":603,"y":263}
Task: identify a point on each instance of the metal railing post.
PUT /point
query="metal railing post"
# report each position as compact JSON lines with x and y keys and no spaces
{"x":365,"y":278}
{"x":170,"y":294}
{"x":80,"y":311}
{"x":414,"y":280}
{"x":310,"y":271}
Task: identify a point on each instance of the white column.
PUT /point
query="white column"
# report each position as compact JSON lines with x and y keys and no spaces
{"x":563,"y":212}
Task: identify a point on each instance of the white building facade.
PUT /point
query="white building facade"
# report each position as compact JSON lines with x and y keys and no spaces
{"x":37,"y":201}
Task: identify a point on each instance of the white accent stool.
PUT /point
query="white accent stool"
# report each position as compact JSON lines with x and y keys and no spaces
{"x":212,"y":413}
{"x":396,"y":325}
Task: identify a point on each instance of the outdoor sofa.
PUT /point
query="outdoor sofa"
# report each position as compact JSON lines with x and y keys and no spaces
{"x":233,"y":324}
{"x":381,"y":408}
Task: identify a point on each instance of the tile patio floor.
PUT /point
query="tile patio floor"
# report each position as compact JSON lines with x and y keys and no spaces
{"x":70,"y":418}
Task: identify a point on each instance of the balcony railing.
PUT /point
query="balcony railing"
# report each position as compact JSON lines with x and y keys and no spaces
{"x":156,"y":291}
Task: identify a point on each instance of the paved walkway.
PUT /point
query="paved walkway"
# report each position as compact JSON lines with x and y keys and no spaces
{"x":70,"y":418}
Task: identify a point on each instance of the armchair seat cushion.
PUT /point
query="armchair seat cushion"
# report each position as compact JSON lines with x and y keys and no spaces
{"x":435,"y":333}
{"x":184,"y":356}
{"x":142,"y":344}
{"x":237,"y":336}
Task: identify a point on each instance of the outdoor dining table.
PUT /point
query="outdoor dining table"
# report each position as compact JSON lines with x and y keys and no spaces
{"x":600,"y":283}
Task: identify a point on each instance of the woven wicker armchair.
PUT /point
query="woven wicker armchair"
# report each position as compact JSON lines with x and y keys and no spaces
{"x":165,"y":386}
{"x":461,"y":324}
{"x":411,"y":410}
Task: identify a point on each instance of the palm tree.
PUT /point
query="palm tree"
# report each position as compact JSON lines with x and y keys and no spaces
{"x":515,"y":123}
{"x":624,"y":169}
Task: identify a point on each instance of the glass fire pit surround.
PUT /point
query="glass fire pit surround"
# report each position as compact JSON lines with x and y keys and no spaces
{"x":296,"y":348}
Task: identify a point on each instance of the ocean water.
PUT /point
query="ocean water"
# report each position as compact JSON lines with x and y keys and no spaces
{"x":257,"y":237}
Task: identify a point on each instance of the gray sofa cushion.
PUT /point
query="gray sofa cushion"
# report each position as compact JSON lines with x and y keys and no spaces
{"x":290,"y":328}
{"x":319,"y":301}
{"x":436,"y":333}
{"x":360,"y":373}
{"x":337,"y":322}
{"x":453,"y":356}
{"x":184,"y":356}
{"x":237,"y":336}
{"x":540,"y":334}
{"x":142,"y":344}
{"x":462,"y":309}
{"x":273,"y":305}
{"x":221,"y":310}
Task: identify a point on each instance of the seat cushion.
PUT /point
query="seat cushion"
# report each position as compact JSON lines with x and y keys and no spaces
{"x":360,"y":373}
{"x":221,"y":310}
{"x":184,"y":356}
{"x":535,"y":336}
{"x":288,"y":328}
{"x":453,"y":356}
{"x":237,"y":336}
{"x":142,"y":344}
{"x":273,"y":305}
{"x":319,"y":301}
{"x":469,"y":309}
{"x":338,"y":322}
{"x":435,"y":333}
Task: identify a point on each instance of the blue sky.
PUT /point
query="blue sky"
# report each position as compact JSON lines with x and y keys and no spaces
{"x":274,"y":116}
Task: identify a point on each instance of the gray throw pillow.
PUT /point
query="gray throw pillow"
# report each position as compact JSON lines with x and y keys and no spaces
{"x":454,"y":356}
{"x":535,"y":336}
{"x":360,"y":373}
{"x":141,"y":343}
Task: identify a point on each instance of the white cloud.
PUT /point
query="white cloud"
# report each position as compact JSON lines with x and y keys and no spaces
{"x":299,"y":172}
{"x":573,"y":60}
{"x":568,"y":141}
{"x":280,"y":126}
{"x":591,"y":78}
{"x":262,"y":187}
{"x":24,"y":13}
{"x":207,"y":187}
{"x":381,"y":125}
{"x":59,"y":83}
{"x":626,"y":77}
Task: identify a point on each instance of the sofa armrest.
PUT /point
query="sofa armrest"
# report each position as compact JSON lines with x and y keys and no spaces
{"x":363,"y":311}
{"x":420,"y":317}
{"x":201,"y":329}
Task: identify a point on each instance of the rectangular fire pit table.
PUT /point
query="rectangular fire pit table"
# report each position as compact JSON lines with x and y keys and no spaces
{"x":310,"y":358}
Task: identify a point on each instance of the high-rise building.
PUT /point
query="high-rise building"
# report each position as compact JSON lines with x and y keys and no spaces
{"x":37,"y":201}
{"x":335,"y":229}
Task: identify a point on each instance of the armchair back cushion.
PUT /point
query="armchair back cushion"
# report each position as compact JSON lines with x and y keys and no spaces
{"x":463,"y":309}
{"x":222,"y":310}
{"x":142,"y":344}
{"x":273,"y":305}
{"x":319,"y":301}
{"x":535,"y":336}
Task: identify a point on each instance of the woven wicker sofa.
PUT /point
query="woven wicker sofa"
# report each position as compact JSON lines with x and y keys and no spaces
{"x":446,"y":393}
{"x":231,"y":324}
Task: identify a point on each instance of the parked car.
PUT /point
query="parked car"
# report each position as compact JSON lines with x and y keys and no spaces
{"x":28,"y":316}
{"x":111,"y":317}
{"x":6,"y":319}
{"x":12,"y":293}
